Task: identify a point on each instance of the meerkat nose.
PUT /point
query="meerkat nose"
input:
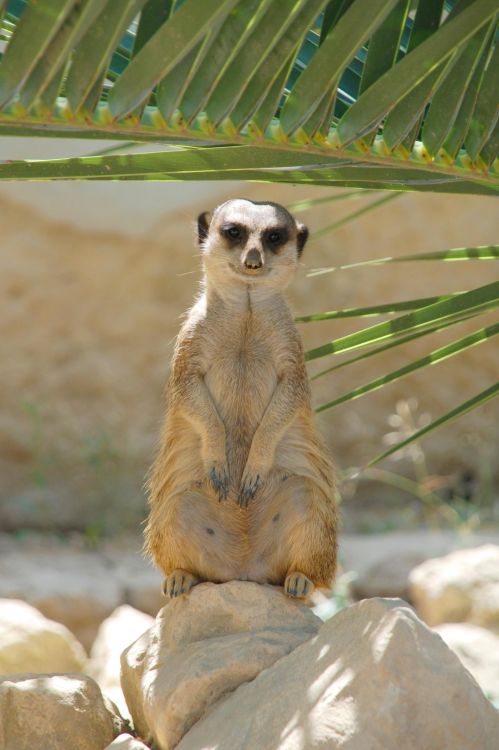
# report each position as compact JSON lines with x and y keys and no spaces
{"x":253,"y":259}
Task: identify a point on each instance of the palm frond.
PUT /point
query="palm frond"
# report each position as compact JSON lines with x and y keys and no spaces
{"x":438,"y":355}
{"x":371,"y":94}
{"x":482,"y":252}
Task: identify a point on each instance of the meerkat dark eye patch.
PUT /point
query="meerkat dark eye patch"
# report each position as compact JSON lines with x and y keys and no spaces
{"x":276,"y":237}
{"x":233,"y":232}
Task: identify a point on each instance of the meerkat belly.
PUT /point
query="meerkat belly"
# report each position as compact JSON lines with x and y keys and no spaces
{"x":241,"y":382}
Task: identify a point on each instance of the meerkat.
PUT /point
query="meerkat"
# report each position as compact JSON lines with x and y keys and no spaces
{"x":243,"y":486}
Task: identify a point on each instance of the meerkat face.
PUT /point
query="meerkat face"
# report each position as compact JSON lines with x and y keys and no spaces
{"x":252,"y":243}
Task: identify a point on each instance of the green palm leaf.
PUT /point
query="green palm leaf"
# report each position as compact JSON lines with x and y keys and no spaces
{"x":30,"y":40}
{"x":354,"y":215}
{"x":373,"y":310}
{"x":460,"y":304}
{"x":412,"y":70}
{"x":172,"y":42}
{"x":280,"y":76}
{"x":396,"y":341}
{"x":483,"y":252}
{"x":430,"y":359}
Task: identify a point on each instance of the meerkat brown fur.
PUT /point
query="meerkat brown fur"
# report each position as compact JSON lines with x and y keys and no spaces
{"x":242,"y":487}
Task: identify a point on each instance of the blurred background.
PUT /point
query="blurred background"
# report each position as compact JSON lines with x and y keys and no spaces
{"x":94,"y":280}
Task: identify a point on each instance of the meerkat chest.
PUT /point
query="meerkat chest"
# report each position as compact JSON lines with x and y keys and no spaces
{"x":242,"y":367}
{"x":241,"y":356}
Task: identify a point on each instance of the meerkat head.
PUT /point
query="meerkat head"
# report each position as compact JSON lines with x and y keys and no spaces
{"x":251,"y":243}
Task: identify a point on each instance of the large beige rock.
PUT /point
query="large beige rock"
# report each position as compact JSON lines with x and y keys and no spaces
{"x":76,"y":587}
{"x":29,"y":642}
{"x":374,"y":678}
{"x":203,"y":646}
{"x":72,"y":588}
{"x":462,"y":586}
{"x":478,"y":649}
{"x":382,"y":563}
{"x":141,"y":583}
{"x":123,"y":627}
{"x":126,"y":742}
{"x":55,"y":712}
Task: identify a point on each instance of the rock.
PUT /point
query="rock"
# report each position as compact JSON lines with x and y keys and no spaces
{"x":382,"y":562}
{"x":72,"y":588}
{"x":374,"y":677}
{"x":202,"y":647}
{"x":478,"y":649}
{"x":61,"y":583}
{"x":123,"y":627}
{"x":141,"y":583}
{"x":55,"y":712}
{"x":29,"y":642}
{"x":461,"y":587}
{"x":126,"y":742}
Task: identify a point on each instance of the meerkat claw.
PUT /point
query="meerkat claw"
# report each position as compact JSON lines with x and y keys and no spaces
{"x":220,"y":482}
{"x":298,"y":586}
{"x":248,"y":491}
{"x":177,"y":583}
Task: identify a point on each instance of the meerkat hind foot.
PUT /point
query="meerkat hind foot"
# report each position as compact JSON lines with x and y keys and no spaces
{"x":179,"y":582}
{"x":298,"y":586}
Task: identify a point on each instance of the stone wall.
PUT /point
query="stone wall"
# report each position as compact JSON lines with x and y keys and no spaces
{"x":90,"y":312}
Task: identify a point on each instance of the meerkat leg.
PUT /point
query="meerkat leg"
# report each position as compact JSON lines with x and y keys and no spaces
{"x":198,"y":408}
{"x":293,"y":536}
{"x":280,"y":412}
{"x":179,"y":582}
{"x":191,"y":533}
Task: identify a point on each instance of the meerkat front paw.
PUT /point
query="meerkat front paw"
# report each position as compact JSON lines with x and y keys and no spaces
{"x":298,"y":586}
{"x":250,"y":484}
{"x":254,"y":475}
{"x":218,"y":477}
{"x":179,"y":582}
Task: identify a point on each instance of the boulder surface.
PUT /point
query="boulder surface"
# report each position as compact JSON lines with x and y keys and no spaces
{"x":126,"y":742}
{"x":76,"y":587}
{"x":382,"y":562}
{"x":55,"y":712}
{"x":478,"y":649}
{"x":460,"y":587}
{"x":29,"y":642}
{"x":72,"y":598}
{"x":202,"y":647}
{"x":374,"y":677}
{"x":123,"y":627}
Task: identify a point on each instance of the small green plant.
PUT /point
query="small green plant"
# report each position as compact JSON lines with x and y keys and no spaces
{"x":41,"y":457}
{"x":341,"y":596}
{"x":459,"y":500}
{"x":94,"y":532}
{"x":102,"y":460}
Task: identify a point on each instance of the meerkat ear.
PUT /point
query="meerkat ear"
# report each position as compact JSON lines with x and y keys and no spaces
{"x":301,"y":237}
{"x":204,"y":220}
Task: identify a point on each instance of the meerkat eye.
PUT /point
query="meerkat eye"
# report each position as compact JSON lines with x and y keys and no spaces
{"x":276,"y":237}
{"x":233,"y":232}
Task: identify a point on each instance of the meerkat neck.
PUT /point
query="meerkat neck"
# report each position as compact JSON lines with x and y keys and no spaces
{"x":239,"y":297}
